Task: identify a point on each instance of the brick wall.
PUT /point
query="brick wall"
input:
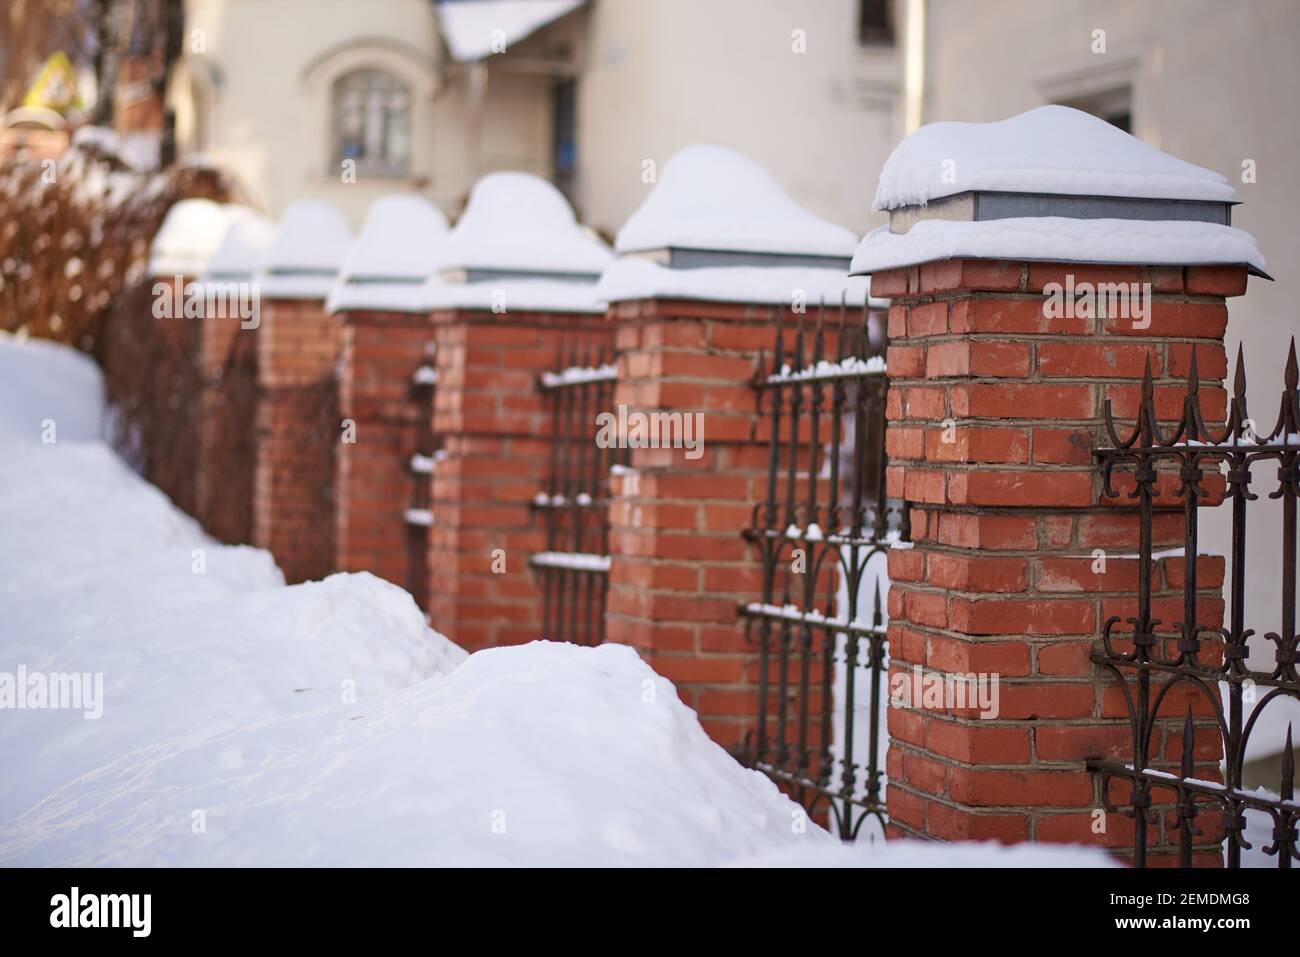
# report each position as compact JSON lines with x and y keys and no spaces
{"x":297,"y":432}
{"x":495,"y":452}
{"x":380,"y":353}
{"x":994,"y":410}
{"x":680,"y":567}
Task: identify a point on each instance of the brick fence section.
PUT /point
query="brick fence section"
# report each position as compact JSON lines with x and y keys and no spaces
{"x":994,"y":410}
{"x":679,"y":565}
{"x":297,"y":431}
{"x":373,"y":483}
{"x":495,"y":451}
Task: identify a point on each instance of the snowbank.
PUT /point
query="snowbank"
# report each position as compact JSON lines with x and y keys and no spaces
{"x":1058,"y":239}
{"x":1051,"y":149}
{"x":711,"y":197}
{"x":42,"y":381}
{"x":545,"y":754}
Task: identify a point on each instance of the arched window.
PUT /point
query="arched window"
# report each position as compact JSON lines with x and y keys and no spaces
{"x":372,"y":123}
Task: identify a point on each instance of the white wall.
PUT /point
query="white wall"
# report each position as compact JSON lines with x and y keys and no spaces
{"x":1214,"y":83}
{"x":660,"y":76}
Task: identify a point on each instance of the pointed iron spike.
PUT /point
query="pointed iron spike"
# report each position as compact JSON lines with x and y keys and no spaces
{"x":1292,"y":375}
{"x":876,"y":617}
{"x":1239,"y":379}
{"x":1193,"y":375}
{"x":1288,"y":769}
{"x":1148,"y":388}
{"x":1189,"y":746}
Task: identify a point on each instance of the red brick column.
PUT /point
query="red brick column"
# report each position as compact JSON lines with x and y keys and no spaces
{"x":994,"y":410}
{"x":491,"y":420}
{"x":679,"y":565}
{"x":298,"y":429}
{"x":381,"y":352}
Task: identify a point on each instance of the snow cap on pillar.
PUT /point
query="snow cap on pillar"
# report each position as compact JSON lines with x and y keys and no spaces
{"x":518,"y":245}
{"x":243,"y":249}
{"x":307,"y":253}
{"x":717,"y":226}
{"x":190,"y":234}
{"x":1054,"y":184}
{"x":389,"y":263}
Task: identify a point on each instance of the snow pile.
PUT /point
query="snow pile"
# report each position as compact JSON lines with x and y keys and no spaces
{"x":1051,"y":149}
{"x":474,"y":29}
{"x":711,"y":197}
{"x":1058,"y":239}
{"x":633,"y":278}
{"x":191,"y":233}
{"x":542,"y":754}
{"x":307,"y":253}
{"x":43,"y":382}
{"x":522,"y":229}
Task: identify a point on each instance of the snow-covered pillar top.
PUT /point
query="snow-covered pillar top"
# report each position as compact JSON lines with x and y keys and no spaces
{"x":1037,"y":268}
{"x":190,"y":234}
{"x":389,"y":264}
{"x":1050,"y":185}
{"x":718,"y":228}
{"x":308,"y":251}
{"x":518,"y":246}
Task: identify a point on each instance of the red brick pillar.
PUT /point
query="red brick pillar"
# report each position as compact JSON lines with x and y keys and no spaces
{"x":298,"y":429}
{"x":491,"y":421}
{"x":994,"y":410}
{"x":381,"y":353}
{"x":680,"y":567}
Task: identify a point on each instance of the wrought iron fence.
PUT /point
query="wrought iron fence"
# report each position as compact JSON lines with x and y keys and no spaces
{"x":822,"y":534}
{"x":573,"y":503}
{"x":422,"y":462}
{"x":1150,"y":657}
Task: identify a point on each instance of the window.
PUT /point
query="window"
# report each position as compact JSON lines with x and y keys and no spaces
{"x":564,"y":142}
{"x":372,"y":123}
{"x":1114,"y":106}
{"x":876,"y":22}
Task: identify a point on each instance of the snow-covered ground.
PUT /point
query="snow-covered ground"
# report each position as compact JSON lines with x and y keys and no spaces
{"x":229,"y":719}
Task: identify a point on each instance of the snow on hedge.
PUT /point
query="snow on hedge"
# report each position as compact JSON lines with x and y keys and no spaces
{"x":711,"y":197}
{"x":1051,"y":149}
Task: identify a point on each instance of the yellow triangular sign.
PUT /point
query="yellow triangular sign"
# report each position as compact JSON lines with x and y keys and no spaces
{"x":56,"y":86}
